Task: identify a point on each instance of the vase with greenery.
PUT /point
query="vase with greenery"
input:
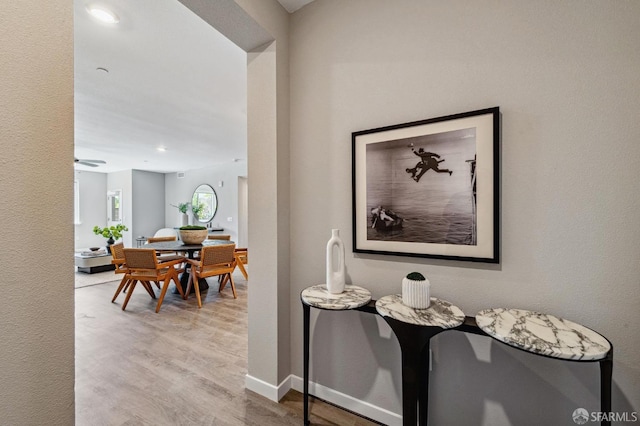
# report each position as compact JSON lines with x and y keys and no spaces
{"x":111,"y":233}
{"x":183,"y":218}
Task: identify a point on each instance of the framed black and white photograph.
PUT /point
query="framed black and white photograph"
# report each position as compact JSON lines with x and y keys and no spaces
{"x":429,"y":188}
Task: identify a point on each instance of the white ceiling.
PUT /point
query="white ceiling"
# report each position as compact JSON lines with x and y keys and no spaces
{"x":173,"y":82}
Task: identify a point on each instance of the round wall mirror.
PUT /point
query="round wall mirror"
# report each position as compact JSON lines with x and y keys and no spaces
{"x":204,"y":203}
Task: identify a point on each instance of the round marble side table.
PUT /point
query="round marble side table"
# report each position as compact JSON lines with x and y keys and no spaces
{"x":352,"y":297}
{"x":550,"y":336}
{"x":318,"y":297}
{"x":414,"y":329}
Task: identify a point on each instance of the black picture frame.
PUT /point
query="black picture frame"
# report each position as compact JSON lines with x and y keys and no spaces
{"x":429,"y":188}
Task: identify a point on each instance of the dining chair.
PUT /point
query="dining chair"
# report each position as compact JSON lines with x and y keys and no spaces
{"x":164,"y":232}
{"x":215,"y":260}
{"x":242,"y":258}
{"x":163,"y":239}
{"x":219,"y":237}
{"x":117,"y":254}
{"x":143,"y":266}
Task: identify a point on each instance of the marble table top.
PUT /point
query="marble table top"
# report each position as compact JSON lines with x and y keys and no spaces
{"x":352,"y":297}
{"x":439,"y":314}
{"x":543,"y":334}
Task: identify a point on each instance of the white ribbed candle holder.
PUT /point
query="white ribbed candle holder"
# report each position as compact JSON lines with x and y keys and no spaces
{"x":415,"y":294}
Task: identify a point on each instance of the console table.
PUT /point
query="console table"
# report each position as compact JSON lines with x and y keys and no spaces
{"x":553,"y":337}
{"x":414,"y":329}
{"x":353,"y":297}
{"x":533,"y":332}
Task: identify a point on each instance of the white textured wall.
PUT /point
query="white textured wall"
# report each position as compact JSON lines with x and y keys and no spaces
{"x":36,"y":183}
{"x":565,"y":75}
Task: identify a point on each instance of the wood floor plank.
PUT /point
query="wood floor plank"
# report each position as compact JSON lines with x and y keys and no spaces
{"x":181,"y":366}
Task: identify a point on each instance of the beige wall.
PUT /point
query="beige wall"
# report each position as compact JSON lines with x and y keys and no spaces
{"x":36,"y":137}
{"x":268,"y":152}
{"x":565,"y":75}
{"x":260,"y":27}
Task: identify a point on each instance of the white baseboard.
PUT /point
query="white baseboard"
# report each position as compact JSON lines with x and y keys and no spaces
{"x":274,"y":393}
{"x":348,"y":402}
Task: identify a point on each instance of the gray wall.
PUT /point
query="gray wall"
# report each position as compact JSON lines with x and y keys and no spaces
{"x":143,"y":204}
{"x":36,"y":183}
{"x":148,"y":203}
{"x":124,"y":181}
{"x":565,"y":77}
{"x":180,"y":190}
{"x":93,"y":208}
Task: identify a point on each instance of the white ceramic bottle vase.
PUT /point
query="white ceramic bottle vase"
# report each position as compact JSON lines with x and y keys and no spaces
{"x":335,"y":267}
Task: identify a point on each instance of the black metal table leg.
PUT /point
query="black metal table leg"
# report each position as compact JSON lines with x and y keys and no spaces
{"x":306,"y":313}
{"x":184,"y":278}
{"x":423,"y":395}
{"x":606,"y":374}
{"x":414,"y":344}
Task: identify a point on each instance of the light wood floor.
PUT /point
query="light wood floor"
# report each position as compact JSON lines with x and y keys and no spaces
{"x":182,"y":366}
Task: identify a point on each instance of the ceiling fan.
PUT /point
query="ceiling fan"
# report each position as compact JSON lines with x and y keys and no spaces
{"x":90,"y":163}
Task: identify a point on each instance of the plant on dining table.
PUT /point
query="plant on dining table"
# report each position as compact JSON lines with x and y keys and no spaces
{"x":110,"y":232}
{"x":193,"y":234}
{"x":192,"y":228}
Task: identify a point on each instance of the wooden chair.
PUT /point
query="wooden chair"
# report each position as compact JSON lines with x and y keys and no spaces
{"x":117,"y":253}
{"x":242,"y":258}
{"x":214,"y":260}
{"x":160,"y":239}
{"x":219,"y":237}
{"x":143,"y":266}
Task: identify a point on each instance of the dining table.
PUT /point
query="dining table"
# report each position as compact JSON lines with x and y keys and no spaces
{"x":190,"y":249}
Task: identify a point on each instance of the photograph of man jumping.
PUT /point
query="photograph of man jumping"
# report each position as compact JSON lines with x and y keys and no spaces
{"x":428,"y":161}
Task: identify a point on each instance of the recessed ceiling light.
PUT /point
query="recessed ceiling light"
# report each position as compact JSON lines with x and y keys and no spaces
{"x":103,"y":14}
{"x":162,"y":149}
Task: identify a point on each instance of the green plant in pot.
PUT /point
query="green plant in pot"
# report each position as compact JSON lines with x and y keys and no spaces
{"x":183,"y":219}
{"x":193,"y":234}
{"x":111,"y":233}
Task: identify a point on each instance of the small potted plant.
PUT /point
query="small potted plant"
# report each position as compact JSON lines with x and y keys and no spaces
{"x":183,"y":219}
{"x":415,"y":291}
{"x":193,"y":234}
{"x":112,"y":233}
